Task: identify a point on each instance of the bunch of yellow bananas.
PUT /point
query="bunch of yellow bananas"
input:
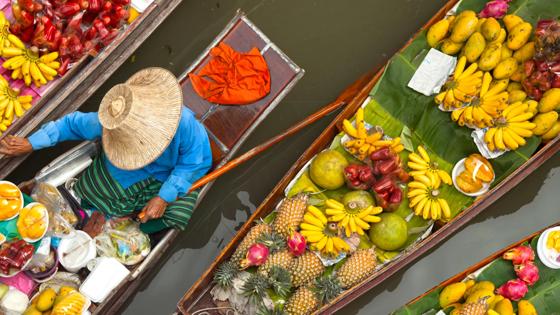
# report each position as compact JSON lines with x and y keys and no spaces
{"x":352,"y":220}
{"x":363,"y":144}
{"x":320,"y":234}
{"x":27,"y":65}
{"x":481,"y":111}
{"x":421,"y":164}
{"x":462,"y":88}
{"x":11,"y":103}
{"x":4,"y":31}
{"x":423,"y":196}
{"x":511,"y":128}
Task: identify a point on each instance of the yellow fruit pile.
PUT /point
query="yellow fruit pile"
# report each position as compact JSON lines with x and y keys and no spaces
{"x":4,"y":31}
{"x":10,"y":200}
{"x":363,"y":144}
{"x":462,"y":87}
{"x":322,"y":235}
{"x":484,"y":41}
{"x":486,"y":106}
{"x":32,"y":222}
{"x":547,"y":124}
{"x":352,"y":220}
{"x":422,"y":164}
{"x":553,"y":241}
{"x":27,"y":65}
{"x":477,"y":172}
{"x":465,"y":297}
{"x":510,"y":129}
{"x":68,"y":301}
{"x":11,"y":104}
{"x":423,"y":195}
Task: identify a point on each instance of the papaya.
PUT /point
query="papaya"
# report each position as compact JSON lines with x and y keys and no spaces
{"x":505,"y":68}
{"x":544,"y":122}
{"x":475,"y":296}
{"x":464,"y":27}
{"x":519,"y":35}
{"x":486,"y":285}
{"x":525,"y":53}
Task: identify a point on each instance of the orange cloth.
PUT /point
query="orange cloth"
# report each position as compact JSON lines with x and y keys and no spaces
{"x":232,"y":78}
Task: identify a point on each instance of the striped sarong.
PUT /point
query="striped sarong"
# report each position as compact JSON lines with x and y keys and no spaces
{"x":100,"y":191}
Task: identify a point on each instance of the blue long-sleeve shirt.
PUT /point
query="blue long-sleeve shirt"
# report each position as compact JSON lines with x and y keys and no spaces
{"x":187,"y":158}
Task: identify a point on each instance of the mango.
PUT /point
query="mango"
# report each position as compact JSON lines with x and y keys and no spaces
{"x":474,"y":47}
{"x":490,"y":57}
{"x":501,"y":37}
{"x":450,"y":47}
{"x":479,"y":24}
{"x":32,"y":310}
{"x":544,"y":122}
{"x":514,"y":86}
{"x":519,"y":36}
{"x":512,"y":20}
{"x":492,"y":312}
{"x":505,"y":68}
{"x":46,"y":300}
{"x":469,"y":283}
{"x":466,"y":13}
{"x":525,"y":307}
{"x":475,"y":296}
{"x":506,"y":53}
{"x":464,"y":28}
{"x":518,"y":75}
{"x":452,"y":293}
{"x":437,"y":32}
{"x":525,"y":53}
{"x":550,"y":101}
{"x":65,"y":290}
{"x":495,"y":301}
{"x":491,"y":29}
{"x":517,"y":96}
{"x":552,"y":132}
{"x":482,"y":285}
{"x":504,"y":307}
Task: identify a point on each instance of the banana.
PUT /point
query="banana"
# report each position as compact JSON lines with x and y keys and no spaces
{"x":424,"y":199}
{"x":46,"y":69}
{"x":508,"y":139}
{"x":349,"y":128}
{"x":49,"y":58}
{"x":14,"y":40}
{"x":14,"y":62}
{"x":36,"y":74}
{"x":25,"y":71}
{"x":463,"y":87}
{"x":9,"y":52}
{"x":498,"y":140}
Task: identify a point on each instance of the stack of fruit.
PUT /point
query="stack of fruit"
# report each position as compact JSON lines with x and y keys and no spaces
{"x":33,"y":221}
{"x":67,"y":301}
{"x":72,"y":27}
{"x":10,"y":201}
{"x":478,"y":171}
{"x":14,"y":255}
{"x":26,"y":64}
{"x":471,"y":297}
{"x":364,"y":142}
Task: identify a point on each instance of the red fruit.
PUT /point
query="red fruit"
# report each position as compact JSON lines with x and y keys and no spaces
{"x":396,"y":196}
{"x":75,"y":24}
{"x":383,"y":185}
{"x":84,"y":4}
{"x":514,"y":290}
{"x":122,"y":2}
{"x":91,"y":33}
{"x":105,"y":18}
{"x":256,"y":256}
{"x":68,"y":9}
{"x":101,"y":29}
{"x":95,"y":5}
{"x":527,"y":272}
{"x":366,"y":175}
{"x":296,"y":244}
{"x":107,"y":6}
{"x":542,"y":66}
{"x":556,"y":81}
{"x":27,"y":5}
{"x":555,"y":67}
{"x":402,"y":175}
{"x":352,"y":171}
{"x":520,"y":255}
{"x":65,"y":62}
{"x":529,"y":67}
{"x":387,"y":166}
{"x":381,"y":154}
{"x":27,"y":19}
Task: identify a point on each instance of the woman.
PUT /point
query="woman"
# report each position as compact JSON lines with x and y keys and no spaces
{"x":154,"y":149}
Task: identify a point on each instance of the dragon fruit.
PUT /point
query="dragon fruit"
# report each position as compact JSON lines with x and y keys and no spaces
{"x":296,"y":244}
{"x":527,"y":272}
{"x":256,"y":256}
{"x":520,"y":255}
{"x":496,"y":9}
{"x":514,"y":290}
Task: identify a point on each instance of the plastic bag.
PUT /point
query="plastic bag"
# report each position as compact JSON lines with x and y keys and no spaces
{"x":123,"y":240}
{"x":61,"y":217}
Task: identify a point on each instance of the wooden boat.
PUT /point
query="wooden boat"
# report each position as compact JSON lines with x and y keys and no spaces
{"x":86,"y":76}
{"x":227,"y":126}
{"x":476,"y":267}
{"x":198,"y":297}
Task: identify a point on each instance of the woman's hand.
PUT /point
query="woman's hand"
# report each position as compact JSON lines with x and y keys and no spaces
{"x":15,"y":146}
{"x":154,"y":209}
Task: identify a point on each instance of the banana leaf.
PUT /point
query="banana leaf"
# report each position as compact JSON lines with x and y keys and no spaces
{"x":545,"y":294}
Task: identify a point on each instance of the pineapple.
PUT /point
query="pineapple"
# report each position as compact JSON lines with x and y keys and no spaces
{"x":282,"y":259}
{"x":254,"y":233}
{"x":357,"y":268}
{"x":225,"y":274}
{"x":280,"y":281}
{"x":478,"y":308}
{"x":302,"y":302}
{"x":305,"y":269}
{"x":274,"y":241}
{"x":255,"y":288}
{"x":290,"y":214}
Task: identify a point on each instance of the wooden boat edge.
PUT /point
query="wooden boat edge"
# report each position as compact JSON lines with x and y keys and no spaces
{"x":545,"y":152}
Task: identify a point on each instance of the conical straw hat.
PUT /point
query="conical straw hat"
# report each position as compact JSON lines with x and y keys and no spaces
{"x":140,"y":118}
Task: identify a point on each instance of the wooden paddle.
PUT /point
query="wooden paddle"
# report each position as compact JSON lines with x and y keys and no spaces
{"x":264,"y":146}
